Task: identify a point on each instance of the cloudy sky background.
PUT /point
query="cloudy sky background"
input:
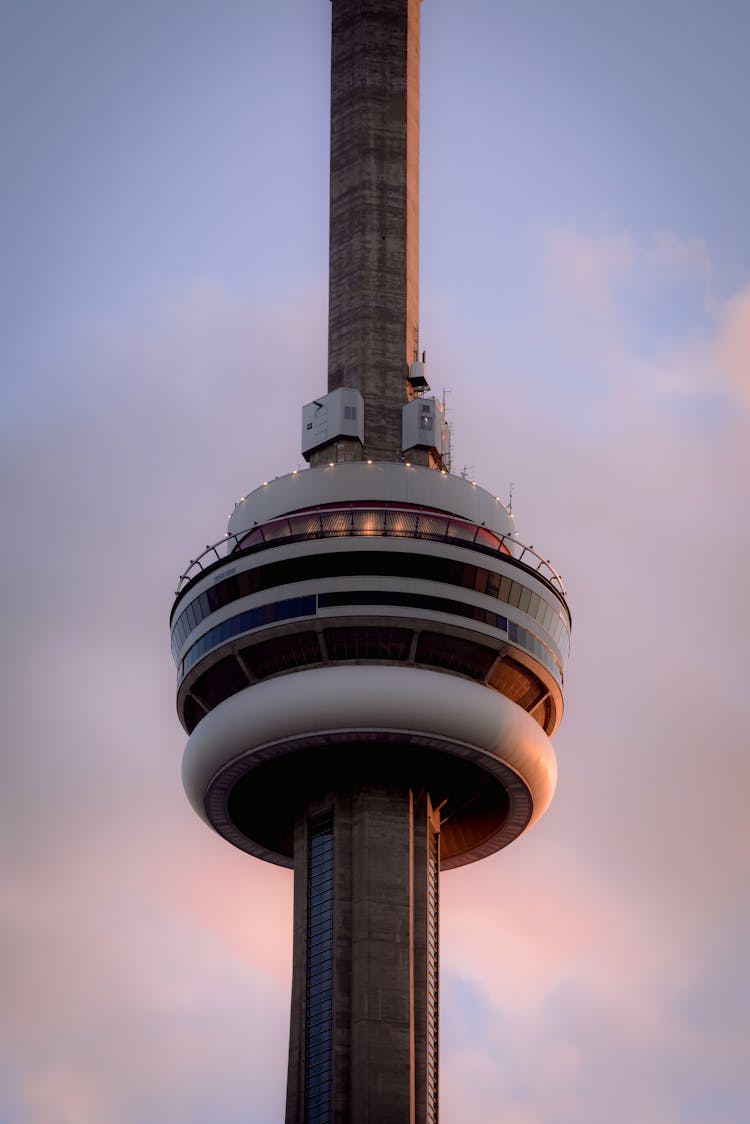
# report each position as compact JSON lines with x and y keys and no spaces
{"x":586,"y":304}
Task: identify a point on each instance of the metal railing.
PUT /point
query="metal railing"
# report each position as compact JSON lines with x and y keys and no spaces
{"x":371,"y":521}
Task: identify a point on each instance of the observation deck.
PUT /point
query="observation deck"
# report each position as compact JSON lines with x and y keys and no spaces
{"x":372,"y":581}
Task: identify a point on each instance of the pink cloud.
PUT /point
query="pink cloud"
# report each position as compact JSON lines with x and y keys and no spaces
{"x":129,"y":926}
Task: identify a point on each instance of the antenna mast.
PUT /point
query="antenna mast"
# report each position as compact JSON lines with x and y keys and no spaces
{"x":373,"y":318}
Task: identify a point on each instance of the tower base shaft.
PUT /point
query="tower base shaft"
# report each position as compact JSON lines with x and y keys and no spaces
{"x":363,"y":1037}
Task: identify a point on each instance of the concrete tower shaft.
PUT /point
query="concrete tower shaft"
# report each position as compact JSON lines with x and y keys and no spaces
{"x":373,"y":319}
{"x":370,"y":665}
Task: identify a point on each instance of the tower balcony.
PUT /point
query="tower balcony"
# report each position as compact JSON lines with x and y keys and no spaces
{"x":381,"y":579}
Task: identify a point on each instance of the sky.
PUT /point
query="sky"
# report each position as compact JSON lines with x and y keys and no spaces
{"x":585,"y":291}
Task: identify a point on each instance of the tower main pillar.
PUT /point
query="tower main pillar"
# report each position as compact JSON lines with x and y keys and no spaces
{"x":363,"y":1038}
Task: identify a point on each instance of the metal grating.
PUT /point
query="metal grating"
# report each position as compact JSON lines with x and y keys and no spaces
{"x":433,"y":976}
{"x":319,"y":1021}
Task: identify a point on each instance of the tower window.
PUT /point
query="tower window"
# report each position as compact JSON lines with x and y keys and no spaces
{"x":365,"y":643}
{"x":318,"y":1030}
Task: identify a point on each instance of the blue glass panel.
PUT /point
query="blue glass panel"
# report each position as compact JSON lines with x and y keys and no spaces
{"x":319,"y":1022}
{"x":245,"y":622}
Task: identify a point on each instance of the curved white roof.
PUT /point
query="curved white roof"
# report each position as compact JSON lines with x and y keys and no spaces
{"x":380,"y":481}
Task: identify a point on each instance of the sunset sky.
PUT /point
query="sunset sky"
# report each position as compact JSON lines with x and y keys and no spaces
{"x":586,"y":305}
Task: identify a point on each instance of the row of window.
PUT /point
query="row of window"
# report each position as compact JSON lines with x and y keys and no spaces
{"x":516,"y":634}
{"x":300,"y":607}
{"x":447,"y":571}
{"x":246,"y":622}
{"x":372,"y":519}
{"x":369,"y":642}
{"x":319,"y":1007}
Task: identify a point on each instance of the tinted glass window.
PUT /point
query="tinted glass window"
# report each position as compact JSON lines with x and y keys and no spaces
{"x":318,"y":1029}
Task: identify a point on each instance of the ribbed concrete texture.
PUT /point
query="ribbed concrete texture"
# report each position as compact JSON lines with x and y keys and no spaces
{"x":374,"y":234}
{"x":382,"y":923}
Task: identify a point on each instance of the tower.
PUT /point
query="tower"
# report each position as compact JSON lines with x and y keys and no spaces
{"x":370,"y":664}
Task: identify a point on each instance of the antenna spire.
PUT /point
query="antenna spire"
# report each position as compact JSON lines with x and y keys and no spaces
{"x":373,"y":319}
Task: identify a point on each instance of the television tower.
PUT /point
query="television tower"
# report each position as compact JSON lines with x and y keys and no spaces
{"x":370,"y":664}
